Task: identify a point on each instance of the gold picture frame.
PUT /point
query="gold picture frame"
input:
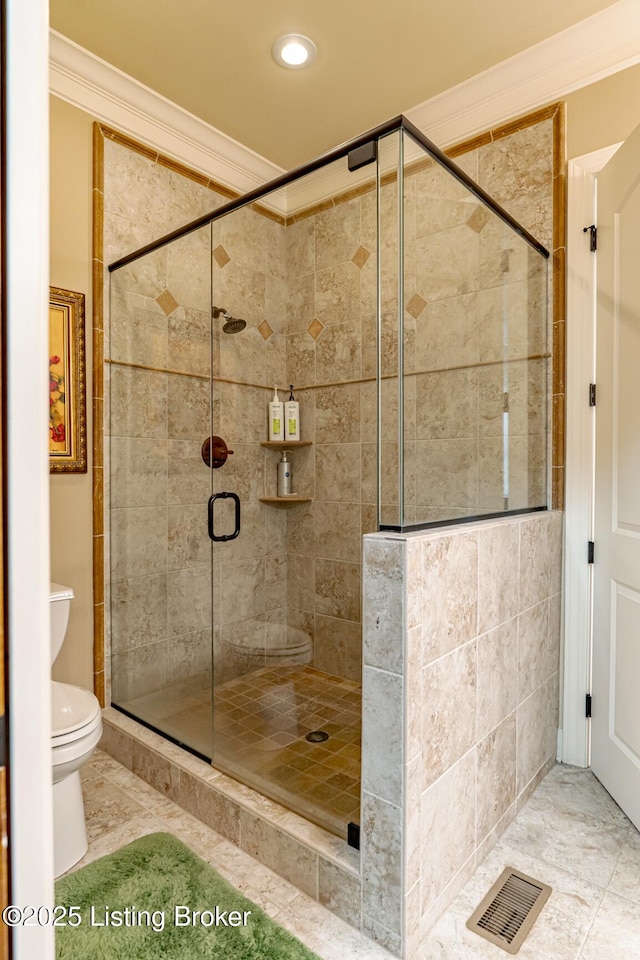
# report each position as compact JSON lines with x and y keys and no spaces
{"x":67,"y":385}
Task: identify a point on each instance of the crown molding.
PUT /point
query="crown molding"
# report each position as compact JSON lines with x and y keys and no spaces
{"x":109,"y":95}
{"x":588,"y":51}
{"x":582,"y":54}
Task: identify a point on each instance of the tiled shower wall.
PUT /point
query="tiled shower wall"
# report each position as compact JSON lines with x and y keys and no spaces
{"x":250,"y":572}
{"x":157,"y":574}
{"x":162,"y":564}
{"x":331,"y":274}
{"x":460,"y":682}
{"x":476,"y":302}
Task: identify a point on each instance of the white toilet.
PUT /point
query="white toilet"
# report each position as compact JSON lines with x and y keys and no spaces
{"x":76,"y":728}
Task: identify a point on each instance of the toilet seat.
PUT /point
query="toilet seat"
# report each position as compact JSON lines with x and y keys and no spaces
{"x":74,"y":713}
{"x":76,"y":729}
{"x":251,"y":646}
{"x":283,"y":651}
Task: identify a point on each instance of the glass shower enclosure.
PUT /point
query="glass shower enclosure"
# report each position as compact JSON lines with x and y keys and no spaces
{"x":410,"y":314}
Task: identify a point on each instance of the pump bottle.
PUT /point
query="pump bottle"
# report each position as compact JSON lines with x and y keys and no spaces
{"x":276,"y":417}
{"x":291,"y":417}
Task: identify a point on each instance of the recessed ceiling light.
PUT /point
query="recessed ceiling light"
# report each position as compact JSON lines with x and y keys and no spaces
{"x":294,"y":51}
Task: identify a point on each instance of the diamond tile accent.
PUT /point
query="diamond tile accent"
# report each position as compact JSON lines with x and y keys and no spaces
{"x":315,"y":328}
{"x":167,"y":302}
{"x":265,"y":329}
{"x":416,"y":305}
{"x":221,"y":256}
{"x":478,"y":219}
{"x":360,"y":257}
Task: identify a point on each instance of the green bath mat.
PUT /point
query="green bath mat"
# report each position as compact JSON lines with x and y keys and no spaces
{"x":156,"y":900}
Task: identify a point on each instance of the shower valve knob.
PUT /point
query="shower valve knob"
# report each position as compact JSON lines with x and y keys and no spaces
{"x":215,"y":452}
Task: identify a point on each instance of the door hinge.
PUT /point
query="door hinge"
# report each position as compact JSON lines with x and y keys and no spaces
{"x":592,"y":230}
{"x":591,"y":547}
{"x":587,"y":706}
{"x":592,"y":394}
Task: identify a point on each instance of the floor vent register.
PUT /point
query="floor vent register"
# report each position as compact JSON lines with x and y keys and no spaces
{"x":509,"y":910}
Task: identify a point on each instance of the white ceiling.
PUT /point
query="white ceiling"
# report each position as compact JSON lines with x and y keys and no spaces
{"x":375,"y":60}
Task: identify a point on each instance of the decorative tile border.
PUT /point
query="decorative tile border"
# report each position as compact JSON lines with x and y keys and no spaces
{"x":98,"y":279}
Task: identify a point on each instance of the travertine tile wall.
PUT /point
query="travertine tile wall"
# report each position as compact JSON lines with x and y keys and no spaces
{"x":331,"y":318}
{"x":460,"y":682}
{"x":157,"y":567}
{"x":161,"y":558}
{"x":476,"y":293}
{"x":249,"y":281}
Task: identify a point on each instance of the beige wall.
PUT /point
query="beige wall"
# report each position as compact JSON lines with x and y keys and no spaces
{"x":71,"y":494}
{"x":603,"y":113}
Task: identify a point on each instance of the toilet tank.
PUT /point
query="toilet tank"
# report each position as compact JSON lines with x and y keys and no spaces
{"x":60,"y":598}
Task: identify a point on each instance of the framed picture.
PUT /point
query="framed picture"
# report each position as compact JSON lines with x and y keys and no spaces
{"x":67,"y":401}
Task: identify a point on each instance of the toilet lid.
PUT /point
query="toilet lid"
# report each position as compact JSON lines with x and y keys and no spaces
{"x":57,"y":591}
{"x":71,"y":708}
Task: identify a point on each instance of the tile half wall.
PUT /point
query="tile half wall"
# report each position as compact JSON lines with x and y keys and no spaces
{"x":460,"y":706}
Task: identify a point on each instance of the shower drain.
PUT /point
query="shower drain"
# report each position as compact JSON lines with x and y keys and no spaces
{"x":317,"y":736}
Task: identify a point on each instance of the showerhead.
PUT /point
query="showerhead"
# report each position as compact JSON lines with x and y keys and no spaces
{"x":231,"y":324}
{"x":234,"y":325}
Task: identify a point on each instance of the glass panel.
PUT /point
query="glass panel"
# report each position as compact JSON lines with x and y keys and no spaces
{"x":390,"y":354}
{"x":475,"y":352}
{"x":160,"y":558}
{"x":287,"y":633}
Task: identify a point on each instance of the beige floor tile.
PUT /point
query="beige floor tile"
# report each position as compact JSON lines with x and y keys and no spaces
{"x":106,"y":807}
{"x":557,"y":933}
{"x":577,"y":791}
{"x":120,"y":836}
{"x":99,"y":765}
{"x":626,"y":876}
{"x":615,"y":934}
{"x":579,"y":843}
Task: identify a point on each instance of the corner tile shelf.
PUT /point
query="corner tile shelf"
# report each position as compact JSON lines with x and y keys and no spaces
{"x":285,"y":445}
{"x":282,"y":501}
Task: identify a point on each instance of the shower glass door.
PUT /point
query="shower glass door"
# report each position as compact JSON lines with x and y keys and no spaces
{"x":158,"y":379}
{"x":287,"y":630}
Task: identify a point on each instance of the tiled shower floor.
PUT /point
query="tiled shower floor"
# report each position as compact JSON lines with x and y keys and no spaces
{"x":260,"y":722}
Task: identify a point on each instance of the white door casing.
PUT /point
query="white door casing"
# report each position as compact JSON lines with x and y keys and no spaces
{"x":574,"y":734}
{"x":615,"y":725}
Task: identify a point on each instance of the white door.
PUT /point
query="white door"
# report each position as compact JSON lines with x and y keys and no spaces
{"x":615,"y":728}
